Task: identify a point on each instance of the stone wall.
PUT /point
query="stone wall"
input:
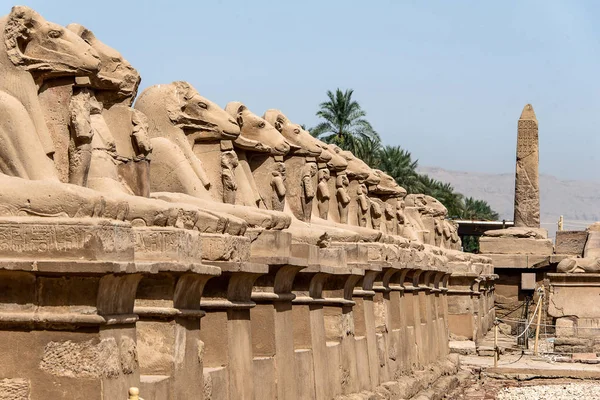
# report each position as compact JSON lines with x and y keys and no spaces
{"x":329,"y":331}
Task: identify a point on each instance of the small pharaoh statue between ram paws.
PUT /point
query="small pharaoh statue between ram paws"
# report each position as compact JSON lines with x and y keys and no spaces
{"x":323,"y":192}
{"x":278,"y":186}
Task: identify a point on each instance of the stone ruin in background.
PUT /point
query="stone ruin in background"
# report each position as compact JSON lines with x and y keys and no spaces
{"x":568,"y":272}
{"x":164,"y":242}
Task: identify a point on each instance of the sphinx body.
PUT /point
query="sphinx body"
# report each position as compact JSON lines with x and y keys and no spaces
{"x":309,"y":152}
{"x":180,"y":121}
{"x":185,"y":125}
{"x":301,"y":175}
{"x":579,"y":265}
{"x":103,"y":134}
{"x":378,"y":202}
{"x":26,"y":146}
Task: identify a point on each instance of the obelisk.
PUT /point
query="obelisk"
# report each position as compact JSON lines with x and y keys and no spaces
{"x":527,"y":187}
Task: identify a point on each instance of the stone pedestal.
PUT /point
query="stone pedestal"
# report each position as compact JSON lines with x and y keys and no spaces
{"x":168,"y":332}
{"x":516,"y":245}
{"x":571,"y":242}
{"x":67,"y":325}
{"x":272,"y":329}
{"x":168,"y":305}
{"x":573,"y":301}
{"x":323,"y":310}
{"x":387,"y":319}
{"x":463,"y":298}
{"x":364,"y":328}
{"x":226,"y":331}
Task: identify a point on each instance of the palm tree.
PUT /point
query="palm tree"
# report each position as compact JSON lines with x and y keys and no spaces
{"x":369,"y":150}
{"x":478,"y":210}
{"x":344,"y":123}
{"x":445,"y":193}
{"x":452,"y":200}
{"x":398,"y":163}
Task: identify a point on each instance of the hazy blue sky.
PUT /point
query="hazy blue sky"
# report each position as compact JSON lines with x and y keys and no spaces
{"x":444,"y":79}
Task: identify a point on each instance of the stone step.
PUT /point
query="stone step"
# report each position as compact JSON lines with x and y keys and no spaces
{"x":464,"y":347}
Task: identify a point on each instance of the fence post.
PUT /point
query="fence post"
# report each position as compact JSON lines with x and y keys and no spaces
{"x":496,"y":350}
{"x":539,"y":320}
{"x":560,"y":223}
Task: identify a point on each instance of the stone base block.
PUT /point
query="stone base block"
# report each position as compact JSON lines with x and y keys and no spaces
{"x":332,"y":257}
{"x":463,"y":347}
{"x":574,"y":327}
{"x":66,"y":294}
{"x":571,"y":242}
{"x":519,"y":232}
{"x":154,"y":387}
{"x":575,"y":296}
{"x":65,"y":239}
{"x":462,"y":325}
{"x":305,"y":376}
{"x":571,"y":345}
{"x":216,"y":383}
{"x":592,"y":246}
{"x":271,"y":244}
{"x":356,"y":253}
{"x":42,"y":365}
{"x":264,"y":372}
{"x":519,"y":260}
{"x":383,"y":252}
{"x":154,"y":244}
{"x":510,"y":245}
{"x":223,"y":247}
{"x":306,"y":251}
{"x":457,"y":266}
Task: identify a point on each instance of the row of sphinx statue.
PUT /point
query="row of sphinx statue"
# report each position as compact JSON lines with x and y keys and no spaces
{"x":75,"y":142}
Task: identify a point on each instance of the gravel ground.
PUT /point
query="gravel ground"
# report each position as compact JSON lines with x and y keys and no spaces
{"x":551,"y":392}
{"x":538,"y":389}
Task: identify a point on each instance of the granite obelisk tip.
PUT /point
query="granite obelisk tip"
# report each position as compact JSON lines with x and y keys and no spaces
{"x":528,"y":113}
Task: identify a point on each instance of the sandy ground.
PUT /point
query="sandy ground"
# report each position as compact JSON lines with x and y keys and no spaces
{"x":526,"y":378}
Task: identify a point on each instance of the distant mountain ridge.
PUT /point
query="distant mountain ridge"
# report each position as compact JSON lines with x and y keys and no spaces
{"x":577,"y":201}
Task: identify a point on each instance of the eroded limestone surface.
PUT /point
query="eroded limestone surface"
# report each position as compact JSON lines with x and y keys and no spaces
{"x":90,"y":360}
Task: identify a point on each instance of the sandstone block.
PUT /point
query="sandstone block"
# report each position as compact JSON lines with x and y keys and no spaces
{"x":167,"y":244}
{"x":271,"y":243}
{"x":14,"y":389}
{"x":592,"y":246}
{"x":584,"y":356}
{"x":65,"y":239}
{"x":519,"y":232}
{"x":216,"y":247}
{"x":571,"y":341}
{"x":571,"y":242}
{"x":519,"y":260}
{"x":491,"y":245}
{"x":463,"y":347}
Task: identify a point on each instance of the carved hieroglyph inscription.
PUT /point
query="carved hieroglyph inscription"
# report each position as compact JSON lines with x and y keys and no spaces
{"x":167,"y":244}
{"x":527,"y":141}
{"x":64,"y":240}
